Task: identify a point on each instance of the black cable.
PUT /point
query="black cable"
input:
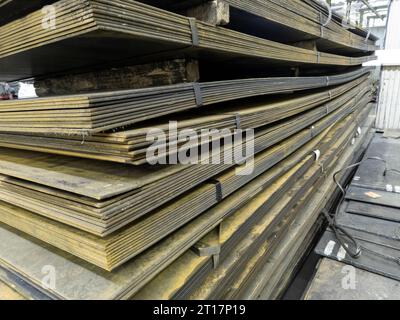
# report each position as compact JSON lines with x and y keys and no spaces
{"x":341,"y":236}
{"x":340,"y":233}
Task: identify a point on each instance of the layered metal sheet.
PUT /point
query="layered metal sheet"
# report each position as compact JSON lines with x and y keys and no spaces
{"x":96,"y":112}
{"x":136,"y":273}
{"x":196,"y":268}
{"x":155,"y":225}
{"x":131,"y":145}
{"x":286,"y":21}
{"x":98,"y":25}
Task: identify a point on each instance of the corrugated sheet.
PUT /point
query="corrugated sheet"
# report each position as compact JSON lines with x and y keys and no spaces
{"x":389,"y":101}
{"x":392,"y":37}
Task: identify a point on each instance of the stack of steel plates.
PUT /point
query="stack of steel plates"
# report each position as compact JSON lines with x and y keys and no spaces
{"x":96,"y":112}
{"x":80,"y":193}
{"x":117,"y":208}
{"x":241,"y":257}
{"x":130,"y":145}
{"x":299,"y":20}
{"x":341,"y":21}
{"x":370,"y":213}
{"x":136,"y":275}
{"x":29,"y":45}
{"x":281,"y":267}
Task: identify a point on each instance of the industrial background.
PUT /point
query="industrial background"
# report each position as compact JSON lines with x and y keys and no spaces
{"x":302,"y":96}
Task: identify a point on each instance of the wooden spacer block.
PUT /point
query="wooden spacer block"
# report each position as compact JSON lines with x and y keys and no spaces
{"x":121,"y":78}
{"x":215,"y":12}
{"x":307,"y":44}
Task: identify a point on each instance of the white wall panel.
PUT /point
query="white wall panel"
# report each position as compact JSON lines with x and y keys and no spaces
{"x":393,"y":31}
{"x":389,"y":100}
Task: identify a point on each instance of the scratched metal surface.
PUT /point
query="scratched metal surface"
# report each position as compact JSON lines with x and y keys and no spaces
{"x":329,"y":247}
{"x":371,"y":174}
{"x":386,"y":229}
{"x":327,"y":284}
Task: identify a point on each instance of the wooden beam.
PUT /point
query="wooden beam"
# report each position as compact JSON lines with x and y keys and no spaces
{"x":131,"y":77}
